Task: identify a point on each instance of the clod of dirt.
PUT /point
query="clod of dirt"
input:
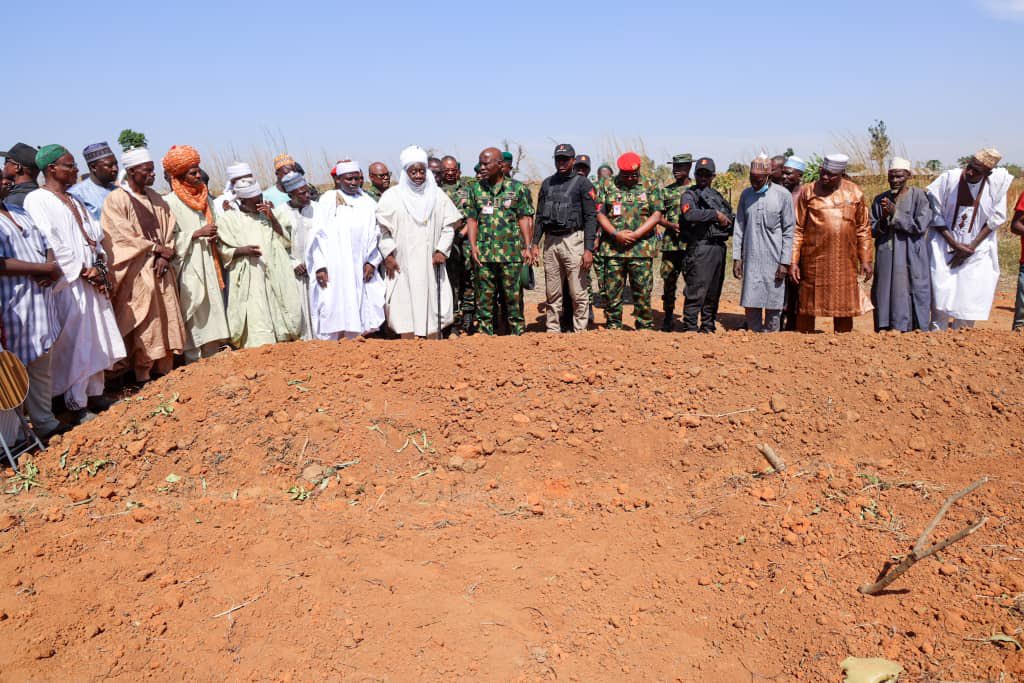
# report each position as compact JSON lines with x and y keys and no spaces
{"x":778,"y":403}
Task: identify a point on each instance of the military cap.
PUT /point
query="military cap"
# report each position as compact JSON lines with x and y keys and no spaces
{"x":705,"y":164}
{"x":507,"y":156}
{"x":682,"y":159}
{"x":564,"y":150}
{"x":583,"y":159}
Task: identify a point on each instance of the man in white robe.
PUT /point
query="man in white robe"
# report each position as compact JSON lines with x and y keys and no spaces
{"x":90,"y":342}
{"x":348,"y":299}
{"x":970,"y":205}
{"x":296,"y":217}
{"x":228,"y":201}
{"x":417,"y":222}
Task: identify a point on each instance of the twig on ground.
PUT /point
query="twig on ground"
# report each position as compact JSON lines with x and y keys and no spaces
{"x":774,"y":460}
{"x":733,"y":412}
{"x":921,"y":548}
{"x":237,"y":607}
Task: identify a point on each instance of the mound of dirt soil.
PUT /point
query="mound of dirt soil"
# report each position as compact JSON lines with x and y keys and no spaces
{"x":588,"y":507}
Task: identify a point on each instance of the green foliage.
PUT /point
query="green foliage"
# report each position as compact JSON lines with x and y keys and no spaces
{"x":1014,"y":169}
{"x":933,"y":165}
{"x":130,"y":139}
{"x":881,"y":144}
{"x":737,"y":168}
{"x":963,"y":161}
{"x":813,"y":170}
{"x":788,"y":153}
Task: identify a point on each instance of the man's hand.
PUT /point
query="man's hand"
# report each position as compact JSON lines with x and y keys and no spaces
{"x":536,"y":253}
{"x":624,"y":238}
{"x":51,"y":273}
{"x":888,"y":208}
{"x":781,"y":272}
{"x":474,"y":251}
{"x":588,"y":260}
{"x":439,"y":258}
{"x":961,"y":252}
{"x":208,"y":230}
{"x":321,"y":277}
{"x":368,"y":270}
{"x":249,"y":250}
{"x":226,"y":205}
{"x":160,"y":265}
{"x":163,"y":252}
{"x":794,"y":273}
{"x":867,"y":270}
{"x":300,"y":270}
{"x":391,"y":266}
{"x":723,"y":220}
{"x":737,"y":269}
{"x":527,"y":254}
{"x":267,"y":209}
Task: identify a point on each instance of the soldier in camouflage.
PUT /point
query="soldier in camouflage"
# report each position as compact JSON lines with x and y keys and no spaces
{"x":628,"y":214}
{"x":672,"y":246}
{"x":380,"y":180}
{"x":459,"y":264}
{"x":498,"y":220}
{"x":604,"y":176}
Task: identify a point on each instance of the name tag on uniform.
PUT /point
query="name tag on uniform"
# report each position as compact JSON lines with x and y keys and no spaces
{"x":617,"y":209}
{"x":487,"y":210}
{"x":643,"y":196}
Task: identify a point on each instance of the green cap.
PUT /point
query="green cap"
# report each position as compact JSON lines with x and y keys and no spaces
{"x":682,"y":159}
{"x":49,"y":154}
{"x":507,"y":156}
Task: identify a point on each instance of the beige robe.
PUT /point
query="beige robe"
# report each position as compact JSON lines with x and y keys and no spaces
{"x":146,"y":307}
{"x":202,"y":299}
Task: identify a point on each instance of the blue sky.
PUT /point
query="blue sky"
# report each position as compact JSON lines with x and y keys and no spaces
{"x":364,"y":79}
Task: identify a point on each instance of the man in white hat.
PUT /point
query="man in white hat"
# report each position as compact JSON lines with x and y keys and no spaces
{"x":831,"y":247}
{"x":296,"y":217}
{"x":348,"y":299}
{"x":139,"y":229}
{"x":228,"y":201}
{"x":970,"y":205}
{"x":900,"y":219}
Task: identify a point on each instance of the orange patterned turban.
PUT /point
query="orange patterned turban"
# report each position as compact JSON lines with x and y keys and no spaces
{"x":180,"y":159}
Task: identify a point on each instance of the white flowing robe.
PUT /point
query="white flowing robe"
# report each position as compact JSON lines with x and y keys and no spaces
{"x":411,"y":303}
{"x":343,"y":239}
{"x":299,"y":223}
{"x":967,"y":291}
{"x":89,"y":342}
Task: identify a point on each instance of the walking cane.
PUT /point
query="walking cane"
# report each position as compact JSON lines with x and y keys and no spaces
{"x":437,"y":276}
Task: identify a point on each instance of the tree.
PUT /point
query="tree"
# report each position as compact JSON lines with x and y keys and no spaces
{"x":736,"y":168}
{"x":789,"y":152}
{"x":963,"y":161}
{"x":1014,"y":170}
{"x":881,"y":144}
{"x":933,"y":166}
{"x":813,"y":170}
{"x":130,"y":139}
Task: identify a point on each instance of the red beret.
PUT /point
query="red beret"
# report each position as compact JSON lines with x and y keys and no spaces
{"x":630,"y":161}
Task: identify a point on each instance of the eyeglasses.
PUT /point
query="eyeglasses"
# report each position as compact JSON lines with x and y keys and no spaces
{"x":380,"y":175}
{"x":66,"y":165}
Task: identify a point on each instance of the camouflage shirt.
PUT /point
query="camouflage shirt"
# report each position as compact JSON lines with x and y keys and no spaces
{"x":458,"y":192}
{"x":498,"y":209}
{"x":634,"y":206}
{"x":373,"y":192}
{"x":671,"y":195}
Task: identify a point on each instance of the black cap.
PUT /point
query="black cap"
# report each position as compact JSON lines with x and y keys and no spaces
{"x":22,"y":154}
{"x":583,"y":159}
{"x":565,"y":150}
{"x":705,"y":164}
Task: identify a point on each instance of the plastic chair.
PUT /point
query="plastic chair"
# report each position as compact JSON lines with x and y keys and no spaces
{"x":13,"y":391}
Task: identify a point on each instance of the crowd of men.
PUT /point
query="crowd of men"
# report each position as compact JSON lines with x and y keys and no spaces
{"x":104,"y":279}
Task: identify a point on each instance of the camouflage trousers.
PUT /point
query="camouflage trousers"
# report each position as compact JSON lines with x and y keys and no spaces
{"x":461,"y":269}
{"x":640,"y":272}
{"x":598,"y":268}
{"x":499,"y":283}
{"x":671,"y":269}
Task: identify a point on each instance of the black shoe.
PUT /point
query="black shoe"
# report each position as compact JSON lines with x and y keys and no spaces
{"x":668,"y":325}
{"x":80,"y":417}
{"x":98,"y":404}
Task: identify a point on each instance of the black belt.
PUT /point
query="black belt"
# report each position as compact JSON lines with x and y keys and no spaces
{"x":562,"y":233}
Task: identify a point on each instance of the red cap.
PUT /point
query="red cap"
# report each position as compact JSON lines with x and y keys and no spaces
{"x":630,"y":161}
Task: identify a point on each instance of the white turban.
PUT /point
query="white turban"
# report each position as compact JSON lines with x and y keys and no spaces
{"x":835,"y":163}
{"x":238,"y":170}
{"x":246,"y":188}
{"x":347,"y":166}
{"x":135,"y":157}
{"x":899,"y":164}
{"x":418,"y":200}
{"x":293,"y":181}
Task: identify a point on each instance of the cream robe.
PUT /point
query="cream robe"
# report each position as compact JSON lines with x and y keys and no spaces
{"x":89,"y":342}
{"x":411,"y":302}
{"x":344,"y":238}
{"x":298,"y":224}
{"x":199,"y":292}
{"x":263,"y":303}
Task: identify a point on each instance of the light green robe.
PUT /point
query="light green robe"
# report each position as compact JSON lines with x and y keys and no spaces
{"x":263,"y":302}
{"x":202,"y":301}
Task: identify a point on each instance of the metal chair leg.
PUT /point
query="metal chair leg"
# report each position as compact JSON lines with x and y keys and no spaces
{"x":7,"y":452}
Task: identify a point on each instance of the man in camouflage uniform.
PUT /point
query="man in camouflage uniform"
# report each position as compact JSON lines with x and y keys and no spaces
{"x":498,"y":219}
{"x":459,"y":264}
{"x":629,"y":212}
{"x":380,"y":180}
{"x":672,"y":246}
{"x":604,"y":177}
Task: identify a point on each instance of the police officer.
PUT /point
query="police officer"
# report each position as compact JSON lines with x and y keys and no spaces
{"x":567,"y":216}
{"x":672,"y":246}
{"x":705,"y":224}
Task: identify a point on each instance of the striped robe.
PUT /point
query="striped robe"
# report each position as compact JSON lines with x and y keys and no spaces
{"x":763,"y":239}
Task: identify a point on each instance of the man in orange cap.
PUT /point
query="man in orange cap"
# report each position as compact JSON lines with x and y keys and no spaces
{"x":629,"y":211}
